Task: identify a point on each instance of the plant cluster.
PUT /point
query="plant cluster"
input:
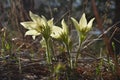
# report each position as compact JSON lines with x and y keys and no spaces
{"x":49,"y":31}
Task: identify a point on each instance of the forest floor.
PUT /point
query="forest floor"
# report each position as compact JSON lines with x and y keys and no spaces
{"x":27,"y":65}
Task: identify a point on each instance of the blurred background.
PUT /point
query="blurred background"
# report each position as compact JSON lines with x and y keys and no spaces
{"x":12,"y":12}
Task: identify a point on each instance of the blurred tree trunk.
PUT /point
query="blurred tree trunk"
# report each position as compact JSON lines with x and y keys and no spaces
{"x":19,"y":12}
{"x":25,"y":6}
{"x":117,"y":10}
{"x":1,"y":11}
{"x":28,"y":5}
{"x":116,"y":37}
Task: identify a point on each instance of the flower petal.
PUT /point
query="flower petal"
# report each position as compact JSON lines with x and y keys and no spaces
{"x":33,"y":37}
{"x":44,"y":21}
{"x":50,"y":22}
{"x":64,"y":26}
{"x":29,"y":25}
{"x":75,"y":24}
{"x":34,"y":17}
{"x":56,"y":31}
{"x":32,"y":32}
{"x":83,"y":22}
{"x":89,"y":26}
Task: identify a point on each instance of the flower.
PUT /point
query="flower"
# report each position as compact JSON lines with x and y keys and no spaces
{"x":82,"y":26}
{"x":37,"y":25}
{"x":62,"y":34}
{"x":57,"y":31}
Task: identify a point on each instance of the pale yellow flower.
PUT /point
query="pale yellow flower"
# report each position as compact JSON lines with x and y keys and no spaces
{"x":57,"y":31}
{"x":83,"y":26}
{"x":37,"y":25}
{"x":62,"y":34}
